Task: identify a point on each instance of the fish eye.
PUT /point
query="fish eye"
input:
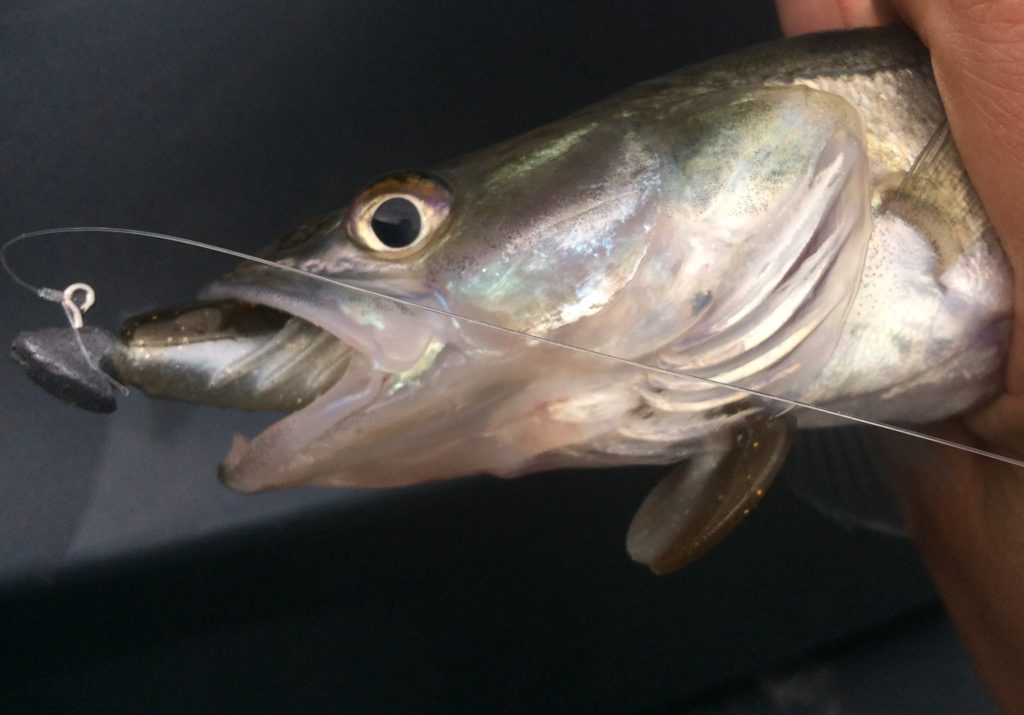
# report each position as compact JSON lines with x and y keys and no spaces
{"x":397,"y":215}
{"x":396,"y":222}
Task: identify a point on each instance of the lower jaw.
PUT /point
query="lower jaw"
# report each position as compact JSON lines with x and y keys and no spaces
{"x":287,"y":452}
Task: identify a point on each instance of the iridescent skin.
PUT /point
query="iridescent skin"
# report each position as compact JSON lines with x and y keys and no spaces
{"x":748,"y":220}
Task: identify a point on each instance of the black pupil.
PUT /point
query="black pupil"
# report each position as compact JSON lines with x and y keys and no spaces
{"x":396,"y":223}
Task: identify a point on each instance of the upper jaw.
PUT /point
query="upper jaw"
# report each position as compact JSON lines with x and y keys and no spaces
{"x":393,"y":335}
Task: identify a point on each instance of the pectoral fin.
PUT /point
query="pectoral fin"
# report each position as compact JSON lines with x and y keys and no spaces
{"x":937,"y":196}
{"x":702,"y":500}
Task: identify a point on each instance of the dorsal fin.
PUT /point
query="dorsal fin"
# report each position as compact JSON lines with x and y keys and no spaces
{"x":703,"y":499}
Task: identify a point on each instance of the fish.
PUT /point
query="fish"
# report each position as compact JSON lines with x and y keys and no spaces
{"x":792,"y":219}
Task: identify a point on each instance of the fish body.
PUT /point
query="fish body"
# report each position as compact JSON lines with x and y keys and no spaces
{"x":793,"y":219}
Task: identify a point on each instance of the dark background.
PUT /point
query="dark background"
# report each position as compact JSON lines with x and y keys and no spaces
{"x":131,"y":580}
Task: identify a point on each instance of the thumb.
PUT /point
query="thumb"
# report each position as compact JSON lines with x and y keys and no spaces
{"x":798,"y":17}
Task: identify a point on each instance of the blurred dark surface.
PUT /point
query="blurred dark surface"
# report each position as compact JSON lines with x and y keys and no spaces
{"x":131,"y":580}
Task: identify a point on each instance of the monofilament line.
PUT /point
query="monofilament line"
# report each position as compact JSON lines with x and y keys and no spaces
{"x":471,"y":321}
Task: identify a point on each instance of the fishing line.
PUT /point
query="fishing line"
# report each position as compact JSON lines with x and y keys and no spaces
{"x":71,"y":307}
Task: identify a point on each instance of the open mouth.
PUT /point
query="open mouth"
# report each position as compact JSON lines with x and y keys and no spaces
{"x":232,"y":351}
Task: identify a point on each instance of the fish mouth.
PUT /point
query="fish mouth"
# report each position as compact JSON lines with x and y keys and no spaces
{"x":322,"y":356}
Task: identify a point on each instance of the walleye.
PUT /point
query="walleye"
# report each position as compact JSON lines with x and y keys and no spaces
{"x":793,"y":219}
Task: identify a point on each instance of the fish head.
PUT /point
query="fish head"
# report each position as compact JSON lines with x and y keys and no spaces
{"x":634,"y":230}
{"x":347,"y":324}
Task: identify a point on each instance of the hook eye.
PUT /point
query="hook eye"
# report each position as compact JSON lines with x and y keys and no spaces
{"x":76,"y":299}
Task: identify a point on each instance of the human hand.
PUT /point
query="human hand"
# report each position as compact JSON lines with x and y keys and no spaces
{"x":966,"y":513}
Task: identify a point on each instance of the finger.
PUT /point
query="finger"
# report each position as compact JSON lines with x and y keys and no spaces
{"x":966,"y":519}
{"x":801,"y":16}
{"x":1001,"y":426}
